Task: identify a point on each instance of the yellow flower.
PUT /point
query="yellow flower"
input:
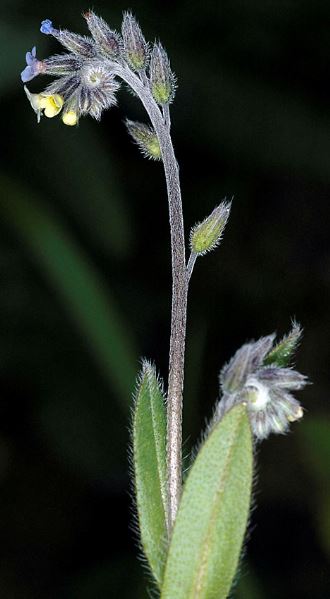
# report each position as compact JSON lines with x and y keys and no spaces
{"x":52,"y":105}
{"x":49,"y":105}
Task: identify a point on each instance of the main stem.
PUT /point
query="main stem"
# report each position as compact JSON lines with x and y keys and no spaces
{"x":178,"y":327}
{"x":179,"y":290}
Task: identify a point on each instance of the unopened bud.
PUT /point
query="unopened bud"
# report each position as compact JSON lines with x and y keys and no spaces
{"x":283,"y":351}
{"x":135,"y":46}
{"x":297,"y":415}
{"x":146,"y":138}
{"x":108,"y":41}
{"x":70,"y":118}
{"x":162,"y":79}
{"x":206,"y":236}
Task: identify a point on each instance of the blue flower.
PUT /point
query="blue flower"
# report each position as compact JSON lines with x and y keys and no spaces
{"x":84,"y":81}
{"x":33,"y":66}
{"x":46,"y":27}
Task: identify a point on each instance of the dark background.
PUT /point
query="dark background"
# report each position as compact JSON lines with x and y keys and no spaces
{"x":85,"y":288}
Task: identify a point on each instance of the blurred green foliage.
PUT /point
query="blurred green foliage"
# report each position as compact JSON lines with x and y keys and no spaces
{"x":84,"y":265}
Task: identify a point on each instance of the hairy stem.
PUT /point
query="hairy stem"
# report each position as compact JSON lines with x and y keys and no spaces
{"x":191,"y":264}
{"x":179,"y":288}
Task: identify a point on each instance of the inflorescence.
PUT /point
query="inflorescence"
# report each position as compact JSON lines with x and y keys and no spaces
{"x":86,"y":83}
{"x":257,"y":377}
{"x":259,"y":374}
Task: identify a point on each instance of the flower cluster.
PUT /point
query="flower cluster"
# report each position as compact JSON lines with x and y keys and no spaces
{"x":86,"y":82}
{"x":254,"y":377}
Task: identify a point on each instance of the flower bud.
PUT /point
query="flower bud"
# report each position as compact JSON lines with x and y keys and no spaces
{"x":283,"y":351}
{"x":283,"y":378}
{"x":61,"y":64}
{"x":135,"y":46}
{"x":78,"y":44}
{"x":108,"y":41}
{"x":70,"y":118}
{"x":265,"y":390}
{"x":162,"y":79}
{"x":146,"y":138}
{"x":206,"y":236}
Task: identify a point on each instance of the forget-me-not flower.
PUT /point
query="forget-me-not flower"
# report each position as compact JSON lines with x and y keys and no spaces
{"x":33,"y":68}
{"x":85,"y":83}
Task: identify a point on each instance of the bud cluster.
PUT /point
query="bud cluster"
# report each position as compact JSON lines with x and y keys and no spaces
{"x":264,"y":385}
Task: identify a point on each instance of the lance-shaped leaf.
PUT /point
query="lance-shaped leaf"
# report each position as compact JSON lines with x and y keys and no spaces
{"x":213,"y":514}
{"x":149,"y":462}
{"x":282,"y":353}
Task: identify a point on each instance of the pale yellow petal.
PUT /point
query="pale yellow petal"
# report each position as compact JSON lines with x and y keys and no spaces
{"x":52,"y":105}
{"x":70,"y":118}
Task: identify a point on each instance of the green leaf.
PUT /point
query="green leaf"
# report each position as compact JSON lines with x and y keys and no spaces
{"x":78,"y":285}
{"x":213,"y":514}
{"x":283,"y":351}
{"x":149,"y":461}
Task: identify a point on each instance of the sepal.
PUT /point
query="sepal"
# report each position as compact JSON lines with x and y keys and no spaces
{"x":61,"y":64}
{"x":281,"y":355}
{"x":78,"y":44}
